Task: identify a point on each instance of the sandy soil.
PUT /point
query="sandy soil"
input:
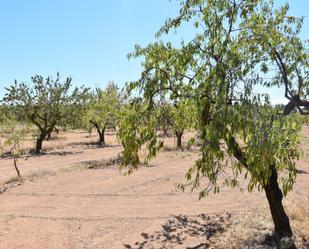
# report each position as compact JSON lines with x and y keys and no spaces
{"x":63,"y":151}
{"x":71,"y":206}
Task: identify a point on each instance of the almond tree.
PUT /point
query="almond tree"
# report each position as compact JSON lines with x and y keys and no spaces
{"x":234,"y":46}
{"x":165,"y":116}
{"x":13,"y":133}
{"x":103,"y":108}
{"x":179,"y":117}
{"x":183,"y":118}
{"x":43,"y":103}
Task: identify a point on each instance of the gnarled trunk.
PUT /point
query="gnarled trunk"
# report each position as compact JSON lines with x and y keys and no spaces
{"x":51,"y":131}
{"x":49,"y":136}
{"x":179,"y":139}
{"x":100,"y":131}
{"x":101,"y":136}
{"x":39,"y":143}
{"x":40,"y":139}
{"x":274,"y":197}
{"x":165,"y":130}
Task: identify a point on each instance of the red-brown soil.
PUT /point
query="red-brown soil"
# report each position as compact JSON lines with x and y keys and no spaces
{"x":63,"y":204}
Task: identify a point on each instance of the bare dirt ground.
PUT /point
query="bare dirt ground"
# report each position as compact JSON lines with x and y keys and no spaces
{"x":63,"y":204}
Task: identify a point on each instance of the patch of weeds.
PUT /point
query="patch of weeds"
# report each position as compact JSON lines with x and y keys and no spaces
{"x":14,"y":179}
{"x":40,"y":174}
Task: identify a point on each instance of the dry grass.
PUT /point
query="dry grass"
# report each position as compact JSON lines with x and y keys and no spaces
{"x":33,"y":177}
{"x":299,"y":216}
{"x":17,"y":181}
{"x":39,"y":175}
{"x":14,"y":180}
{"x":11,"y":183}
{"x":254,"y":230}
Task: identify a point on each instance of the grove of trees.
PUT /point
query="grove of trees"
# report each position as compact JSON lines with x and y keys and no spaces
{"x":207,"y":85}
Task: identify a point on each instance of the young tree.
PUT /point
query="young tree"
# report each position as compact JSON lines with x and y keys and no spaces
{"x":13,"y":133}
{"x":43,"y":104}
{"x":179,"y":117}
{"x":77,"y":110}
{"x":102,"y":112}
{"x":183,"y":116}
{"x":165,"y":117}
{"x":219,"y":69}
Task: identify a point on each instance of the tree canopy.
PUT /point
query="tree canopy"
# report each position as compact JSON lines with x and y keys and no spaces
{"x":103,"y":109}
{"x":45,"y":103}
{"x":179,"y":117}
{"x":237,"y":46}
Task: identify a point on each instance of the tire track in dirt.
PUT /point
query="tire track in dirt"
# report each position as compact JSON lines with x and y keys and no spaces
{"x":97,"y":209}
{"x":38,"y":195}
{"x":107,"y":207}
{"x":81,"y":219}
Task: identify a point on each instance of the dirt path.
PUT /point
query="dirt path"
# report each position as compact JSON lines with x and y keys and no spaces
{"x":95,"y":209}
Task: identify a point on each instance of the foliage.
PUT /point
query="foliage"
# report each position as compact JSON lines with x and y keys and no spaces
{"x":77,"y":110}
{"x":45,"y":104}
{"x":165,"y":117}
{"x":179,"y":116}
{"x":236,"y":43}
{"x":13,"y":134}
{"x":137,"y":127}
{"x":103,"y":108}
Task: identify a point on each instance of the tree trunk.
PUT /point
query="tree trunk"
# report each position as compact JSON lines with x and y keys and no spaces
{"x":165,"y":130}
{"x":39,"y":143}
{"x":48,"y":136}
{"x":101,"y":136}
{"x":272,"y":190}
{"x":15,"y":165}
{"x":51,"y":131}
{"x":274,"y":197}
{"x":179,"y":139}
{"x":101,"y":133}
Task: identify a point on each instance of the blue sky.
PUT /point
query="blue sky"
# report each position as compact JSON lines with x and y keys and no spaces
{"x":88,"y":40}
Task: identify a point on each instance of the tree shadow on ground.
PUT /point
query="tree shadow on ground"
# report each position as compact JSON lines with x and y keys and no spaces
{"x":274,"y":241}
{"x":49,"y":152}
{"x":101,"y":164}
{"x":92,"y":145}
{"x":93,"y":164}
{"x":300,"y":171}
{"x":111,"y":162}
{"x":52,"y":153}
{"x":63,"y":153}
{"x":183,"y":231}
{"x":56,"y":138}
{"x":8,"y":155}
{"x":214,"y":232}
